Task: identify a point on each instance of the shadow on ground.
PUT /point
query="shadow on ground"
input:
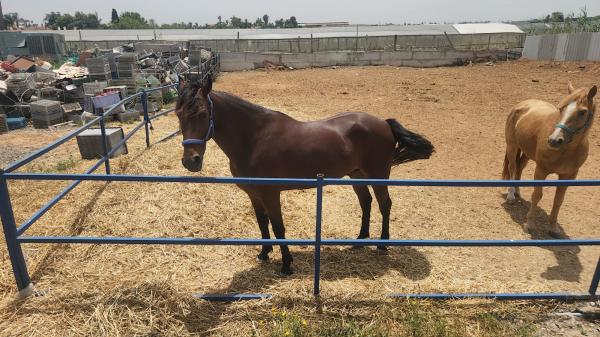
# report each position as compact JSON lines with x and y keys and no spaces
{"x":569,"y":266}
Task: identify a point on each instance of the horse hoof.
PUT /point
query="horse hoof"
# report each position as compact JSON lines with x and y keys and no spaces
{"x":557,"y":235}
{"x":286,"y":271}
{"x":262,"y":258}
{"x":527,"y":227}
{"x":382,"y":250}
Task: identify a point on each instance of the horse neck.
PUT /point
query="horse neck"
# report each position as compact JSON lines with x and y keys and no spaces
{"x":235,"y":125}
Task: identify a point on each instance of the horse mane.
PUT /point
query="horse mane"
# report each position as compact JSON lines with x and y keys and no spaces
{"x":186,"y":103}
{"x":576,"y":95}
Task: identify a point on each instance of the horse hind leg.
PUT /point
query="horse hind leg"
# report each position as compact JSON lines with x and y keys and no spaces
{"x":385,"y":205}
{"x":365,"y":199}
{"x":511,"y":167}
{"x":521,"y":163}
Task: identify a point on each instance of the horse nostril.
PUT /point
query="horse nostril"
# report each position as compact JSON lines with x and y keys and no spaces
{"x":559,"y":141}
{"x":196,"y":159}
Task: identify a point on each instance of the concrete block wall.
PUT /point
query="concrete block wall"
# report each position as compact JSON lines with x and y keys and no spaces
{"x":236,"y":61}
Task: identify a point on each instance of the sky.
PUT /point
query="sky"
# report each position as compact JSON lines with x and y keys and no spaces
{"x":359,"y":12}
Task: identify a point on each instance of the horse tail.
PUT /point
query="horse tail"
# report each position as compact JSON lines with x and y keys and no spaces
{"x":505,"y":170}
{"x":410,"y":146}
{"x":520,"y":161}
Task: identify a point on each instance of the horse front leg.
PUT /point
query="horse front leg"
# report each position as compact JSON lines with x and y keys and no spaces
{"x":263,"y":224}
{"x":535,"y":199}
{"x":272,"y":203}
{"x":559,"y":197}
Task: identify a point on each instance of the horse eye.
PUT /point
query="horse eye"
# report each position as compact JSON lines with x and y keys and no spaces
{"x":581,"y":113}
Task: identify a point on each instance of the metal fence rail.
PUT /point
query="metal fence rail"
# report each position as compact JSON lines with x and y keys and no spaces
{"x":15,"y":236}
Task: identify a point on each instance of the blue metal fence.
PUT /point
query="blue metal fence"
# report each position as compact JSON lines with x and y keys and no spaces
{"x":15,"y":236}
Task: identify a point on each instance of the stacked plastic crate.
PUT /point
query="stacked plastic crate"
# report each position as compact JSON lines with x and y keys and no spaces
{"x":99,"y":69}
{"x":45,"y":113}
{"x":3,"y":124}
{"x":90,"y":90}
{"x":127,"y":69}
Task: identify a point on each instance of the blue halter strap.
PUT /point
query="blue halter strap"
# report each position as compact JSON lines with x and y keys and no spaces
{"x":573,"y":132}
{"x":209,"y":132}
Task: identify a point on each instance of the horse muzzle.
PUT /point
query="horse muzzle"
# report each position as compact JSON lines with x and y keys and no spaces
{"x":556,"y":142}
{"x":193,"y":163}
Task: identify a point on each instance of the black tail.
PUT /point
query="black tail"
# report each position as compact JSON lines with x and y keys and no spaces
{"x":411,"y":146}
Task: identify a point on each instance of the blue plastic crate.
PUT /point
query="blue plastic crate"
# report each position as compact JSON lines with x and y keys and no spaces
{"x":16,"y":123}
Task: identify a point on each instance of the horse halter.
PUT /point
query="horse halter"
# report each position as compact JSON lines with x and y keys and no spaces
{"x":572,"y":132}
{"x":209,"y":132}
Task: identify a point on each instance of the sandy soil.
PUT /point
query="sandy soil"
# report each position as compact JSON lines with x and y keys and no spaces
{"x":145,"y":289}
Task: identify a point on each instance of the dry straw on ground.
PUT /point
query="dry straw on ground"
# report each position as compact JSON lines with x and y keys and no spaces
{"x":146,"y":290}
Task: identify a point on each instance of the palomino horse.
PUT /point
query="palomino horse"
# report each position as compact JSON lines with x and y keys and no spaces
{"x":264,"y":143}
{"x":556,"y":138}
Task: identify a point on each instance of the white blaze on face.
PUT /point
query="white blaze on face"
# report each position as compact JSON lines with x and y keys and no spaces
{"x":569,"y":110}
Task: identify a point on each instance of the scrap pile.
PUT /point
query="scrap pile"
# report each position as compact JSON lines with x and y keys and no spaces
{"x":22,"y":85}
{"x":90,"y":83}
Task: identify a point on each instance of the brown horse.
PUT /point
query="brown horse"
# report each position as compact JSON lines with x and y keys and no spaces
{"x":264,"y":143}
{"x":556,"y":138}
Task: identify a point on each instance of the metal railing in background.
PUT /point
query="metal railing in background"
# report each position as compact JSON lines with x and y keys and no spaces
{"x":15,"y":236}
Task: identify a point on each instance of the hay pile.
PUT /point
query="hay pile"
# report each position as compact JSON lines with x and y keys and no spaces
{"x":145,"y":290}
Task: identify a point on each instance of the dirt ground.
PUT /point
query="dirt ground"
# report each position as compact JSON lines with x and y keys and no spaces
{"x":146,"y":290}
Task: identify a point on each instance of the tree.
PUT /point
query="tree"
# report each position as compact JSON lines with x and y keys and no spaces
{"x":131,"y":20}
{"x":10,"y":19}
{"x":79,"y":20}
{"x":51,"y":19}
{"x":279,"y":23}
{"x":265,"y":19}
{"x":236,"y":22}
{"x":114,"y":16}
{"x":259,"y":23}
{"x":557,"y":17}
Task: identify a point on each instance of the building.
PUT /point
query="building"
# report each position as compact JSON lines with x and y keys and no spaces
{"x":17,"y":43}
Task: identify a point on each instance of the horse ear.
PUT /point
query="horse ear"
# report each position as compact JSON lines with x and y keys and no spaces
{"x":592,"y":92}
{"x":181,"y":83}
{"x":206,"y":85}
{"x":570,"y":87}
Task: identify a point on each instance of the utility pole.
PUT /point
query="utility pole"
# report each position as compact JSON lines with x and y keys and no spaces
{"x":2,"y":22}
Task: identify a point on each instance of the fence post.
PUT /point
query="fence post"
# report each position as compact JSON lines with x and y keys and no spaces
{"x":356,"y":40}
{"x":311,"y":43}
{"x":395,"y":42}
{"x":15,"y":252}
{"x":595,"y":279}
{"x":146,"y":118}
{"x":317,"y":262}
{"x":104,"y":145}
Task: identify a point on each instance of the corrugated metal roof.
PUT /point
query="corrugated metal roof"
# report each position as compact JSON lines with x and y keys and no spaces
{"x":226,"y":34}
{"x":486,"y":28}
